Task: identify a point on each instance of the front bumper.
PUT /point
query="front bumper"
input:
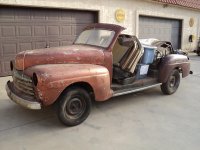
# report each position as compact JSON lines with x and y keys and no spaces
{"x":21,"y":100}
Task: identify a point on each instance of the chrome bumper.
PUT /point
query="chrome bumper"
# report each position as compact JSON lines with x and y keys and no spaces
{"x":19,"y":100}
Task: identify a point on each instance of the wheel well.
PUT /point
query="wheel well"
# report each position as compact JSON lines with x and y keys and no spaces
{"x":86,"y":86}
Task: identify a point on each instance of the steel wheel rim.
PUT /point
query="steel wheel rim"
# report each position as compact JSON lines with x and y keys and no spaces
{"x":172,"y":81}
{"x":75,"y":107}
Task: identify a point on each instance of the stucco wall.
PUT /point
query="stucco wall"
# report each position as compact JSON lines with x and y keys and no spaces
{"x":132,"y":8}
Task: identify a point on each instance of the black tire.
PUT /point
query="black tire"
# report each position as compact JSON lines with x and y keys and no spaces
{"x":172,"y":83}
{"x":198,"y":53}
{"x":74,"y":106}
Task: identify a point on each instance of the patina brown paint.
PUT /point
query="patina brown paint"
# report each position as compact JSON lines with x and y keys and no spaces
{"x":60,"y":55}
{"x":54,"y":78}
{"x":171,"y":62}
{"x":58,"y":68}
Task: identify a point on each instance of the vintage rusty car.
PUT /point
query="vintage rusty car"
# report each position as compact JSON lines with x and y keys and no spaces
{"x":100,"y":64}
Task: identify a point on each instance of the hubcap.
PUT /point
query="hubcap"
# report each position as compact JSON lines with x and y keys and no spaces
{"x":172,"y":82}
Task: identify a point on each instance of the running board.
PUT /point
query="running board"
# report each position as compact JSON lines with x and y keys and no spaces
{"x":132,"y":90}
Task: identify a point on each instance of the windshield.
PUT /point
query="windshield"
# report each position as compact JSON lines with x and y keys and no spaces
{"x":96,"y":37}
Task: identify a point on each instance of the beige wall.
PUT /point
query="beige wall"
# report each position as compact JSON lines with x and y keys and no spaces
{"x":132,"y":8}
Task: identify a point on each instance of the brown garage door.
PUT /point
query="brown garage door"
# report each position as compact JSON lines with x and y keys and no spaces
{"x":32,"y":28}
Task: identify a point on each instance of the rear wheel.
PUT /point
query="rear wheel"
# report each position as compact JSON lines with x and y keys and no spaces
{"x":172,"y":83}
{"x":74,"y":106}
{"x":198,"y":53}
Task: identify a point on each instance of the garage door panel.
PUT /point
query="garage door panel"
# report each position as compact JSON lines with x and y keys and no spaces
{"x":40,"y":44}
{"x":33,"y":28}
{"x":25,"y":46}
{"x":1,"y":51}
{"x":1,"y":68}
{"x":66,"y":16}
{"x":38,"y":15}
{"x":9,"y":49}
{"x":175,"y":24}
{"x":53,"y":31}
{"x":54,"y":43}
{"x":39,"y":30}
{"x":22,"y":14}
{"x":69,"y":39}
{"x":66,"y":30}
{"x":65,"y":43}
{"x":8,"y":31}
{"x":160,"y":28}
{"x":52,"y":15}
{"x":5,"y":67}
{"x":76,"y":29}
{"x":24,"y":31}
{"x":78,"y":17}
{"x":7,"y":14}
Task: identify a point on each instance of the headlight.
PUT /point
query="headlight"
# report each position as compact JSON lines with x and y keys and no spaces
{"x":35,"y":79}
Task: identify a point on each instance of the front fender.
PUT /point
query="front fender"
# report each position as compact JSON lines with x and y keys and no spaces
{"x":54,"y":78}
{"x":173,"y":61}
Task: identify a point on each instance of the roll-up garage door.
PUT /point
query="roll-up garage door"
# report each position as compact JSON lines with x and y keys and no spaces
{"x":32,"y":28}
{"x":162,"y":29}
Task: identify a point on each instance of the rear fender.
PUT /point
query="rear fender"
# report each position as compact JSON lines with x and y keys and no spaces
{"x":171,"y":62}
{"x":53,"y":79}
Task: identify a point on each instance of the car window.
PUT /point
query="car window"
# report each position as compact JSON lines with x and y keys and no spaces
{"x":96,"y":37}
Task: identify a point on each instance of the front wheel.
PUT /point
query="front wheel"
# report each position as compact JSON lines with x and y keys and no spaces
{"x":74,"y":106}
{"x":172,"y":83}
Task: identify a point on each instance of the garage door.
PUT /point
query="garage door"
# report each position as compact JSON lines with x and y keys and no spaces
{"x":31,"y":28}
{"x":162,"y":29}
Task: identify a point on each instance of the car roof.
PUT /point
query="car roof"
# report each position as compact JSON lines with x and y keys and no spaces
{"x":113,"y":27}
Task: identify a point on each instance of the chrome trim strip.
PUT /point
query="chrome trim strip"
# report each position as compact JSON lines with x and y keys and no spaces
{"x":135,"y":90}
{"x":21,"y":76}
{"x":23,"y":102}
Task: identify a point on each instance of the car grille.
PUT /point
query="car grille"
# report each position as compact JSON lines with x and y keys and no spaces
{"x":23,"y":83}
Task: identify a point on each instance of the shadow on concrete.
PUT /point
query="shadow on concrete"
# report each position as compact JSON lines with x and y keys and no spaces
{"x":14,"y":116}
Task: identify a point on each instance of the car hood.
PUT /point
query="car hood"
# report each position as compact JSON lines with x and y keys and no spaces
{"x":79,"y":54}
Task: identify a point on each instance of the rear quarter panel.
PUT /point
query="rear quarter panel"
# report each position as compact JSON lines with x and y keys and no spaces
{"x":173,"y":61}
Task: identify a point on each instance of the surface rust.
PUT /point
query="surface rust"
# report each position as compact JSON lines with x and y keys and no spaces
{"x":81,"y":54}
{"x":58,"y":68}
{"x":173,"y":61}
{"x":54,"y":78}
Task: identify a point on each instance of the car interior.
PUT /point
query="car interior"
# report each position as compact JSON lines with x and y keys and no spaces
{"x":129,"y":64}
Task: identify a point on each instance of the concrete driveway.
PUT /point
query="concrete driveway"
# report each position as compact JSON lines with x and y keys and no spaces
{"x":145,"y":120}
